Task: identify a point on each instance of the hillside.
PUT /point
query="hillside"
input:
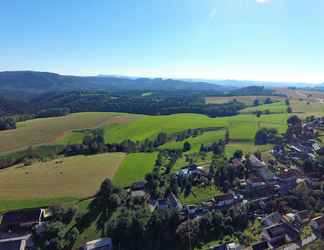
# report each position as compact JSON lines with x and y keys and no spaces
{"x":40,"y":82}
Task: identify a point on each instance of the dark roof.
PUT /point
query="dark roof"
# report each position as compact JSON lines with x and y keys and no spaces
{"x":224,"y":197}
{"x":11,"y":245}
{"x":320,"y":221}
{"x":21,"y":216}
{"x":276,"y":230}
{"x":304,"y":214}
{"x":287,"y":174}
{"x":140,"y":185}
{"x":260,"y":246}
{"x":220,"y":247}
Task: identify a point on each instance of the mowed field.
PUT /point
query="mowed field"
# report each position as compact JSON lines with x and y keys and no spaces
{"x":134,"y":168}
{"x":77,"y":176}
{"x":276,"y":107}
{"x":241,"y":127}
{"x":48,"y":130}
{"x":244,"y":99}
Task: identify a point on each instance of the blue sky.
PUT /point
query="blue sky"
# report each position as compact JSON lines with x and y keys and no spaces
{"x":274,"y":40}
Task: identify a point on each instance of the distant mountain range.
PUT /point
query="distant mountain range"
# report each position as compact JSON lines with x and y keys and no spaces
{"x":40,"y":82}
{"x":24,"y":83}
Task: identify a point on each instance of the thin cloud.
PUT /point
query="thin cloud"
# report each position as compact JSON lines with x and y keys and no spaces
{"x":263,"y":1}
{"x":212,"y":13}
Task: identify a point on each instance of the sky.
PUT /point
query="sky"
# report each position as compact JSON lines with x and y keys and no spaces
{"x":269,"y":40}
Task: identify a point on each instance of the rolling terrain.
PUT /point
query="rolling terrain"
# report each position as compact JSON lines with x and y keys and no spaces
{"x":47,"y":130}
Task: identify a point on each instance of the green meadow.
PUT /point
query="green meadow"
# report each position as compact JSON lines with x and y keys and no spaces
{"x":241,"y":127}
{"x":276,"y":107}
{"x":134,"y":168}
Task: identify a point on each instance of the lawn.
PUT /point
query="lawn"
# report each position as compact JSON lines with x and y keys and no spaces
{"x":247,"y":148}
{"x":78,"y":176}
{"x":6,"y":205}
{"x":200,"y":194}
{"x":134,"y":168}
{"x":48,"y":130}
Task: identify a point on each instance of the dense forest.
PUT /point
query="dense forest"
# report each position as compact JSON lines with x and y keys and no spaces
{"x":144,"y":100}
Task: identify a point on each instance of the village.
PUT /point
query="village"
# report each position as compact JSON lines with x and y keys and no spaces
{"x":267,"y":180}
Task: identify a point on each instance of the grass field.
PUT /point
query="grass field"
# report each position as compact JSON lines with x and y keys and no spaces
{"x":206,"y":138}
{"x":244,"y":99}
{"x":247,"y":148}
{"x":277,"y":107}
{"x":6,"y":205}
{"x":78,"y":176}
{"x":240,"y":126}
{"x":48,"y":130}
{"x":200,"y":194}
{"x":134,"y":168}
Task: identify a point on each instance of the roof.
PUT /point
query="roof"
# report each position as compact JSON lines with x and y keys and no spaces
{"x":303,"y":215}
{"x":287,"y":174}
{"x":256,"y":162}
{"x":236,"y":162}
{"x":274,"y":218}
{"x":220,"y":247}
{"x":140,"y":185}
{"x":260,"y":246}
{"x":224,"y":197}
{"x":320,"y":221}
{"x":138,"y":193}
{"x":21,"y":216}
{"x":13,"y":245}
{"x":102,"y":244}
{"x":255,"y":180}
{"x":174,"y":201}
{"x":18,"y":243}
{"x":276,"y":230}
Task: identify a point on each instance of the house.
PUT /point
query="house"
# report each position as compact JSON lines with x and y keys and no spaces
{"x":17,"y":243}
{"x":136,"y":186}
{"x":137,"y":189}
{"x":22,"y":219}
{"x":230,"y":246}
{"x":271,"y":219}
{"x":303,"y":217}
{"x":255,"y":182}
{"x":220,"y":247}
{"x":171,"y":201}
{"x":287,"y":180}
{"x":275,"y":235}
{"x":261,"y":191}
{"x":226,"y":200}
{"x":12,"y":244}
{"x":99,"y":244}
{"x":289,"y":218}
{"x":233,"y":246}
{"x":192,"y":170}
{"x":255,"y":162}
{"x":236,"y":162}
{"x":317,"y":225}
{"x":263,"y":245}
{"x":138,"y":194}
{"x":174,"y":202}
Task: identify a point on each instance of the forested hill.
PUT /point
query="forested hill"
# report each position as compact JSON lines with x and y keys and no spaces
{"x":10,"y":107}
{"x":40,"y":82}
